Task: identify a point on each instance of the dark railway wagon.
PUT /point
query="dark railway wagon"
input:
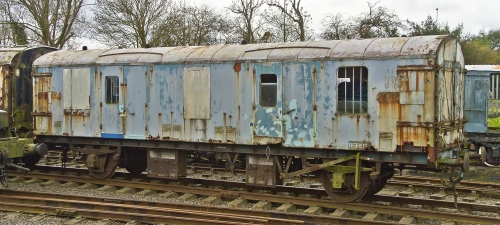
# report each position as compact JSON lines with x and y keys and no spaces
{"x":482,"y":102}
{"x":348,"y":111}
{"x":16,"y":144}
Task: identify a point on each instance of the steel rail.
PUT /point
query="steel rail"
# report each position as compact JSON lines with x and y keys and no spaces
{"x":485,"y":188}
{"x":360,"y":207}
{"x":144,"y":211}
{"x":436,"y":180}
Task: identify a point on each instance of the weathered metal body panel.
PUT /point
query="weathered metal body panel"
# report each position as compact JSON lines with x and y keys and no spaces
{"x":76,"y":102}
{"x":385,"y":95}
{"x":169,"y":164}
{"x":136,"y":92}
{"x":112,"y":114}
{"x":15,"y":84}
{"x":267,"y":118}
{"x":165,"y":120}
{"x":16,"y":106}
{"x":481,"y":96}
{"x":299,"y":105}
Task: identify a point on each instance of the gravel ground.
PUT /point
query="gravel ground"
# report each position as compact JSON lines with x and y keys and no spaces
{"x":16,"y":218}
{"x":24,"y":218}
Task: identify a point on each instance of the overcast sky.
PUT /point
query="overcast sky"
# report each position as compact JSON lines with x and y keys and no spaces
{"x":474,"y":14}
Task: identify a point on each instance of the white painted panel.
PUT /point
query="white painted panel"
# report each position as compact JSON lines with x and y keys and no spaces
{"x":416,"y":80}
{"x":197,"y":93}
{"x":80,"y":90}
{"x":411,"y":98}
{"x":412,"y":80}
{"x":67,"y":85}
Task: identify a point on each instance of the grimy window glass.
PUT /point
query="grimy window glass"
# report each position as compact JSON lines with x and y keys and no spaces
{"x":268,"y":90}
{"x":112,"y":90}
{"x":352,"y":91}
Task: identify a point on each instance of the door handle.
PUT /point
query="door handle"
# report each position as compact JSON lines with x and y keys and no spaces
{"x":289,"y":111}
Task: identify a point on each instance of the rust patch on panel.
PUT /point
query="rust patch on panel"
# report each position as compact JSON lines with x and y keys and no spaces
{"x":264,"y":140}
{"x":388,"y":97}
{"x":237,"y":67}
{"x":230,"y":134}
{"x":389,"y":114}
{"x":97,"y":78}
{"x":431,"y":154}
{"x":43,"y":101}
{"x":42,"y":86}
{"x":415,"y":124}
{"x":56,"y":98}
{"x":4,"y":87}
{"x":151,"y":78}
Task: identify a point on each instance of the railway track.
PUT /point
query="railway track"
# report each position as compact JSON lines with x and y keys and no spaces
{"x":415,"y":182}
{"x":261,"y":199}
{"x":126,"y":210}
{"x":465,"y":186}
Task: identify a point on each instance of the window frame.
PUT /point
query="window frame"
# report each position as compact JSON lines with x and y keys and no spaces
{"x":268,"y":81}
{"x":112,"y":96}
{"x":352,"y":99}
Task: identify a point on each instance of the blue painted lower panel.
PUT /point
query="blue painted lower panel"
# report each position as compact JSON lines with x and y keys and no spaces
{"x":475,"y":127}
{"x":138,"y":137}
{"x":112,"y":135}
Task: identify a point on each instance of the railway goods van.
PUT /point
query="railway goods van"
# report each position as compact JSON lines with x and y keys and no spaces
{"x":16,"y":145}
{"x":482,"y":103}
{"x":348,"y":112}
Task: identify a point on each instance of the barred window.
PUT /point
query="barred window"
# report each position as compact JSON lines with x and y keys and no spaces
{"x":352,"y":91}
{"x":112,"y":89}
{"x":268,"y":90}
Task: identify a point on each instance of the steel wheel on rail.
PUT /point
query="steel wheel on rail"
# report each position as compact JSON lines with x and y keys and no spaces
{"x":102,"y":166}
{"x":379,"y":184}
{"x":483,"y":153}
{"x":347,"y":193}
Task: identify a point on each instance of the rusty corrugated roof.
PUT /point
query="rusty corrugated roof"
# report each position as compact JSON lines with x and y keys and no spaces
{"x":335,"y":49}
{"x":482,"y":67}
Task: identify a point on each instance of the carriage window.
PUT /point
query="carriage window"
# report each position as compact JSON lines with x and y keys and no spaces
{"x":352,"y":91}
{"x":112,"y":90}
{"x":268,"y":90}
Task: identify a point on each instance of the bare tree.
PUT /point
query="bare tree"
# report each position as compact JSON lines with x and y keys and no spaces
{"x":248,"y":20}
{"x":205,"y":25}
{"x":295,"y":12}
{"x":5,"y":31}
{"x":49,"y":22}
{"x":124,"y":23}
{"x":378,"y":22}
{"x":335,"y":27}
{"x":280,"y":27}
{"x":192,"y":25}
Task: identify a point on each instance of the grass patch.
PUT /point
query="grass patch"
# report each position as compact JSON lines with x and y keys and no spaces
{"x":494,"y":122}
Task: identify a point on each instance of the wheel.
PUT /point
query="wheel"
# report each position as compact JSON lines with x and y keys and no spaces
{"x":379,"y":184}
{"x":109,"y":167}
{"x":347,"y":193}
{"x":483,"y":153}
{"x":466,"y":163}
{"x":376,"y":187}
